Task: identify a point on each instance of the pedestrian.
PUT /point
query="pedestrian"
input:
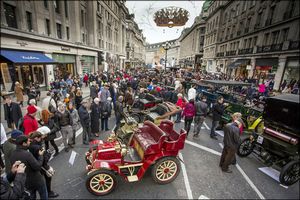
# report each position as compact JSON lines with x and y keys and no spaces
{"x":217,"y":111}
{"x":95,"y":117}
{"x":86,"y":79}
{"x":65,"y":125}
{"x":19,"y":90}
{"x":76,"y":121}
{"x":34,"y":147}
{"x":35,"y":181}
{"x":85,"y":121}
{"x":12,"y":113}
{"x":201,"y":113}
{"x":52,"y":124}
{"x":104,"y":93}
{"x":181,"y":104}
{"x":119,"y":113}
{"x":192,"y":93}
{"x":16,"y":176}
{"x":188,"y":114}
{"x":231,"y":142}
{"x":30,"y":123}
{"x":32,"y":94}
{"x":93,"y":90}
{"x":78,"y":98}
{"x":48,"y":102}
{"x":105,"y":114}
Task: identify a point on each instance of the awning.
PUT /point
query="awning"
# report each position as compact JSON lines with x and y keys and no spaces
{"x":266,"y":62}
{"x":26,"y":57}
{"x":238,"y":62}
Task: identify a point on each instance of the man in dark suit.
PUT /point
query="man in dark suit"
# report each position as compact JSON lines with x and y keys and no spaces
{"x":12,"y":112}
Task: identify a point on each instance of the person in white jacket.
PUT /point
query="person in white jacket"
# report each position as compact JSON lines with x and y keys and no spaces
{"x":192,"y":93}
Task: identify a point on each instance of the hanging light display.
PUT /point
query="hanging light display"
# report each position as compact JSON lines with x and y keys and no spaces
{"x":171,"y":16}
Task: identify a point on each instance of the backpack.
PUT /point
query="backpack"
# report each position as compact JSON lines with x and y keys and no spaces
{"x":20,"y":126}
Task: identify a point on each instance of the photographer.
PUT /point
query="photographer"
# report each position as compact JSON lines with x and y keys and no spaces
{"x":18,"y":177}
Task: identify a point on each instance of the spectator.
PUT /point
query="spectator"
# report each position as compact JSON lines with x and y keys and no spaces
{"x":34,"y":179}
{"x":52,"y":124}
{"x":104,"y":93}
{"x":32,"y":94}
{"x":217,"y":110}
{"x":188,"y":114}
{"x":76,"y":121}
{"x":181,"y":104}
{"x":12,"y":113}
{"x":48,"y":102}
{"x":78,"y":98}
{"x":95,"y":117}
{"x":119,"y":113}
{"x":105,"y":114}
{"x":30,"y":123}
{"x":192,"y":93}
{"x":93,"y":90}
{"x":85,"y":121}
{"x":65,"y":125}
{"x":16,"y":176}
{"x":19,"y":93}
{"x":201,"y":113}
{"x":86,"y":79}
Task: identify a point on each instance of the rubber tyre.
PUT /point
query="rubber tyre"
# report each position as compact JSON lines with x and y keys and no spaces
{"x":92,"y":177}
{"x":286,"y":169}
{"x":158,"y":167}
{"x":136,"y":117}
{"x":259,"y":132}
{"x":249,"y":149}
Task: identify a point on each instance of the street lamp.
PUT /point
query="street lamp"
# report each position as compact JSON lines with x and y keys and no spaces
{"x":166,"y":47}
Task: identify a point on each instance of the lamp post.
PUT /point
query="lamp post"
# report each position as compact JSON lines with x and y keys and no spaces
{"x":166,"y":47}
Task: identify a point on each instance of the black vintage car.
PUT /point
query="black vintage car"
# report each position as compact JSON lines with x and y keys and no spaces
{"x":278,"y":144}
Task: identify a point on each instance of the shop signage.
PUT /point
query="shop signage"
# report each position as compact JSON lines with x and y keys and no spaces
{"x":30,"y":58}
{"x":263,"y":67}
{"x":22,"y":43}
{"x":65,"y":49}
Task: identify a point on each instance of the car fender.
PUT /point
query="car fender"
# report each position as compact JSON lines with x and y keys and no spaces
{"x":256,"y":122}
{"x":98,"y":164}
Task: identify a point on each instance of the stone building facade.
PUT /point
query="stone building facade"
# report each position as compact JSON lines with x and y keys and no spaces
{"x":79,"y":36}
{"x":253,"y":39}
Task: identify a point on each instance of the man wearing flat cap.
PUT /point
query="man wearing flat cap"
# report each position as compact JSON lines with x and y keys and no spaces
{"x":231,"y":142}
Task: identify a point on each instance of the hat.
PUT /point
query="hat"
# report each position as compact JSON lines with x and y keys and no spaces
{"x":32,"y":101}
{"x":44,"y":130}
{"x":35,"y":134}
{"x":31,"y":109}
{"x":21,"y":139}
{"x":15,"y":133}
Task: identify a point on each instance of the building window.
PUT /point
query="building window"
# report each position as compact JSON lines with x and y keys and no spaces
{"x":29,"y":20}
{"x":56,"y":6}
{"x":237,"y":10}
{"x":58,"y":30}
{"x":272,"y":10}
{"x":275,"y":37}
{"x":82,"y":18}
{"x":284,"y":34}
{"x":68,"y":33}
{"x":266,"y":39}
{"x":66,"y":9}
{"x":48,"y":31}
{"x":98,"y":6}
{"x":255,"y":41}
{"x":10,"y":15}
{"x":46,"y":4}
{"x":83,"y":38}
{"x":245,"y":5}
{"x":258,"y":18}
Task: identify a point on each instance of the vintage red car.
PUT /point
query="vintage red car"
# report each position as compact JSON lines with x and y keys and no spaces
{"x":150,"y":146}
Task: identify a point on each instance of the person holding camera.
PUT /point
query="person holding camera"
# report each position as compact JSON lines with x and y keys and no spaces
{"x":35,"y":181}
{"x":34,"y":147}
{"x":17,"y":176}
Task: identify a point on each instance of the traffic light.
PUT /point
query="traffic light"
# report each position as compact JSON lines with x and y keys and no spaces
{"x":100,"y":57}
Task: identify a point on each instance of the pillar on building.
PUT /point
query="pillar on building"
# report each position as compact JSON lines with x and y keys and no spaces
{"x":279,"y":72}
{"x":251,"y":71}
{"x":49,"y":72}
{"x":78,"y":64}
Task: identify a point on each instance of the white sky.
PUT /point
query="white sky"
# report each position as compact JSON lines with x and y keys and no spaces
{"x":144,"y":11}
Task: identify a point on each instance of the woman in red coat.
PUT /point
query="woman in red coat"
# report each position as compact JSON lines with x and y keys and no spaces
{"x":86,"y":79}
{"x":180,"y":102}
{"x":30,"y":123}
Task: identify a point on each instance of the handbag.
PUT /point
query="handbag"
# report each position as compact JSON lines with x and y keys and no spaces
{"x":50,"y":172}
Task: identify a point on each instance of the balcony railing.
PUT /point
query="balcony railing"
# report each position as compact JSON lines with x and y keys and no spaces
{"x":276,"y":47}
{"x":231,"y":53}
{"x":268,"y":22}
{"x":256,"y":26}
{"x":245,"y":51}
{"x":294,"y":45}
{"x":220,"y":54}
{"x":238,"y":33}
{"x":270,"y":48}
{"x":231,"y":36}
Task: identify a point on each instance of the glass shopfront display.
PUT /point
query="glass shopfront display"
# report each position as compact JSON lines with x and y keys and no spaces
{"x":292,"y":70}
{"x":65,"y":66}
{"x":88,"y":64}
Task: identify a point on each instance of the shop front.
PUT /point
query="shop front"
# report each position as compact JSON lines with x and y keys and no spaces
{"x":25,"y":67}
{"x":65,"y":66}
{"x":238,"y":68}
{"x":265,"y":68}
{"x":291,"y":71}
{"x":88,"y":64}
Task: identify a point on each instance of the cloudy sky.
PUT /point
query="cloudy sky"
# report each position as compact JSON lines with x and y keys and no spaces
{"x":144,"y":11}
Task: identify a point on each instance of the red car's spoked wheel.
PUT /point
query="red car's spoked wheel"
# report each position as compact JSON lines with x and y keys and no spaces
{"x":165,"y":170}
{"x":101,"y":182}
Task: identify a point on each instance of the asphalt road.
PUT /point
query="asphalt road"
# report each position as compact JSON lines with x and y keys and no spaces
{"x":200,"y":176}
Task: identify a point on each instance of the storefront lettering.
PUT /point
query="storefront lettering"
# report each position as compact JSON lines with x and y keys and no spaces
{"x":65,"y":49}
{"x":22,"y":43}
{"x":30,"y":58}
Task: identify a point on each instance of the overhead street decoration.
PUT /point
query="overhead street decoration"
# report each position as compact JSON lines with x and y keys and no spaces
{"x":171,"y":16}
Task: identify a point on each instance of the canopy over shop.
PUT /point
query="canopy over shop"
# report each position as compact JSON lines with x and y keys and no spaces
{"x":23,"y":66}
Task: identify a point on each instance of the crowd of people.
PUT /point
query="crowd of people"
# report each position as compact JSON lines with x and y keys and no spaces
{"x":64,"y":111}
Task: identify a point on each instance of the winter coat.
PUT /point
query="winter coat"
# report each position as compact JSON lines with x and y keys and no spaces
{"x":93,"y":92}
{"x":34,"y":177}
{"x":53,"y":125}
{"x":201,"y":108}
{"x":119,"y":110}
{"x":189,"y":110}
{"x":19,"y":93}
{"x":128,"y":98}
{"x":180,"y":103}
{"x":8,"y":148}
{"x":84,"y":116}
{"x":231,"y":135}
{"x":106,"y":110}
{"x":75,"y":118}
{"x":64,"y":118}
{"x":30,"y":124}
{"x":15,"y":192}
{"x":34,"y":148}
{"x":217,"y":110}
{"x":14,"y":111}
{"x":95,"y":116}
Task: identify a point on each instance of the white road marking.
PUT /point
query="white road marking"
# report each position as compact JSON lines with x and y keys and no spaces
{"x":273,"y":173}
{"x":250,"y":182}
{"x":203,"y":197}
{"x":220,"y":133}
{"x":206,"y":125}
{"x":237,"y":166}
{"x":286,"y":187}
{"x":186,"y":179}
{"x":203,"y":147}
{"x":221,"y":145}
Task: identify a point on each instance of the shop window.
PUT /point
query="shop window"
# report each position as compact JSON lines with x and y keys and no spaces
{"x":10,"y":15}
{"x":38,"y":74}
